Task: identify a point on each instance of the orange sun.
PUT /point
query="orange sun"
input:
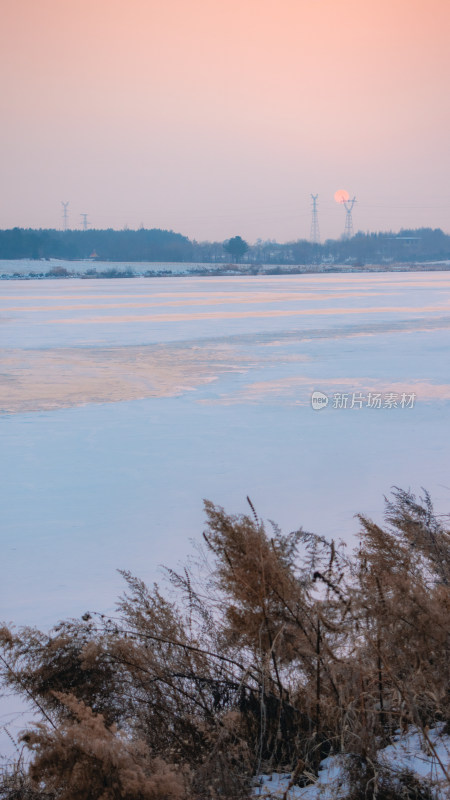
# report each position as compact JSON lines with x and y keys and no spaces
{"x":341,"y":196}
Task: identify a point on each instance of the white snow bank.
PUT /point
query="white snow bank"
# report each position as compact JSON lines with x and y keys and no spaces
{"x":330,"y":783}
{"x":425,"y":758}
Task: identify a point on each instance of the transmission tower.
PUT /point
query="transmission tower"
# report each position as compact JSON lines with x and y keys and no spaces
{"x":85,"y":224}
{"x":65,"y":214}
{"x":348,"y":230}
{"x":315,"y":232}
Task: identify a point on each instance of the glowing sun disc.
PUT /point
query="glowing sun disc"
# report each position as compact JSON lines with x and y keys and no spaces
{"x":341,"y":196}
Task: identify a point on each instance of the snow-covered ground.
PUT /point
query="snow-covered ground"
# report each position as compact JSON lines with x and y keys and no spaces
{"x":41,"y":266}
{"x":409,"y":753}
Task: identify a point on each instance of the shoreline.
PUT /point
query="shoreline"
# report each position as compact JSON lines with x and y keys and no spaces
{"x":64,"y":270}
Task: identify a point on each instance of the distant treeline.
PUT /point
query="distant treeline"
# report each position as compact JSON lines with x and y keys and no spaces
{"x":423,"y":244}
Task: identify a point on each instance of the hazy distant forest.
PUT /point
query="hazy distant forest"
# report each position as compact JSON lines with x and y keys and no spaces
{"x":267,"y":652}
{"x":424,"y":244}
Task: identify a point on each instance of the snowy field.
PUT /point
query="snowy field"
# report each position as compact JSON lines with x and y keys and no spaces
{"x":25,"y":266}
{"x":123,"y":404}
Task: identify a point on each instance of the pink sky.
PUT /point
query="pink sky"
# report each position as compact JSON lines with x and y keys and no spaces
{"x":219,"y":117}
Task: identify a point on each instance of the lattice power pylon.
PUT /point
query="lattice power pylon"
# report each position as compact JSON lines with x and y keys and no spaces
{"x":65,"y":214}
{"x":85,"y":224}
{"x":315,"y":232}
{"x":348,"y":230}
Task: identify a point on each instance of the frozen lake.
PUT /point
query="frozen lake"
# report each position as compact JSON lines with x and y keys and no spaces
{"x":124,"y":403}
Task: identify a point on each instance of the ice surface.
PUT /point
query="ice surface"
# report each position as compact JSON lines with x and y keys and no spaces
{"x":127,"y":402}
{"x":113,"y":431}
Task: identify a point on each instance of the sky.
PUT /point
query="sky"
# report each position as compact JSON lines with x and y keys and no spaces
{"x":217,"y":118}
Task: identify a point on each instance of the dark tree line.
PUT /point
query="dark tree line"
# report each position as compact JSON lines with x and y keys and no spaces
{"x":408,"y":246}
{"x":109,"y":245}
